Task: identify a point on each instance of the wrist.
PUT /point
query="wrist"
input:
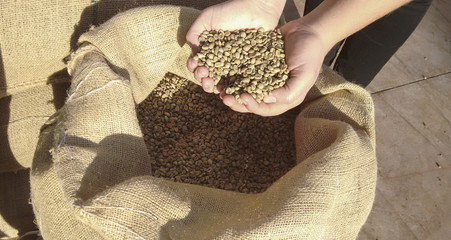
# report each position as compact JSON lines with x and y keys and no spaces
{"x":271,"y":6}
{"x":326,"y":42}
{"x":314,"y":24}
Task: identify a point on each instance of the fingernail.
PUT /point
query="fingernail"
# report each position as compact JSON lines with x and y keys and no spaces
{"x":245,"y":102}
{"x":269,"y":99}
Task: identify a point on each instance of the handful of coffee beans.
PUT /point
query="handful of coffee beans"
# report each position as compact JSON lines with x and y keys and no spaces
{"x":244,"y":61}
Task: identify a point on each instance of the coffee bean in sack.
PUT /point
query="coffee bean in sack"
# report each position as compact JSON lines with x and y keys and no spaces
{"x":192,"y":137}
{"x":244,"y":61}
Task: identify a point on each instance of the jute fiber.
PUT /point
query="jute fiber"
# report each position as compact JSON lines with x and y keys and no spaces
{"x":91,"y":174}
{"x":35,"y":39}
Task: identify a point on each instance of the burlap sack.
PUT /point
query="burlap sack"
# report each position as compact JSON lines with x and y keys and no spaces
{"x":91,"y":172}
{"x":35,"y":38}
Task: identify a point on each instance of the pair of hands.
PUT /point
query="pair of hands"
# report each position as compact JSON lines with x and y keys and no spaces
{"x":304,"y":51}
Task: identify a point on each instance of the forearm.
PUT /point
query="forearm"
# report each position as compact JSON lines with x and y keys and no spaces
{"x":334,"y":20}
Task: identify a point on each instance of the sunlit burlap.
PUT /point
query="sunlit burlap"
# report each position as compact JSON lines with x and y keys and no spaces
{"x":91,"y":174}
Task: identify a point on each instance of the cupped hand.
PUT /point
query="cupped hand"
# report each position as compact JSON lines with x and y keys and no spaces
{"x":305,"y":51}
{"x":230,"y":15}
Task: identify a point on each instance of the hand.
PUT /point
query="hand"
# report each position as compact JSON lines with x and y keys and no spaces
{"x":230,"y":15}
{"x":305,"y":51}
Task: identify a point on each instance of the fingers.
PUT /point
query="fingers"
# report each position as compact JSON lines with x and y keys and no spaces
{"x":208,"y":84}
{"x":269,"y":99}
{"x":192,"y":36}
{"x":201,"y":72}
{"x":192,"y":64}
{"x":262,"y":108}
{"x":230,"y":101}
{"x":298,"y":84}
{"x":199,"y":25}
{"x":250,"y":105}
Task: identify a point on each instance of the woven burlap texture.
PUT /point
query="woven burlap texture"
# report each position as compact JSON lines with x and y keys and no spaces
{"x":35,"y":38}
{"x":91,"y":175}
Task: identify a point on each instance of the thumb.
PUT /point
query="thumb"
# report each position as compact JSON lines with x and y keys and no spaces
{"x":196,"y":29}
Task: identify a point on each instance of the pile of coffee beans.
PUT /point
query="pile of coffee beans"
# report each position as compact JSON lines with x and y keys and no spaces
{"x":192,"y":137}
{"x":244,"y":61}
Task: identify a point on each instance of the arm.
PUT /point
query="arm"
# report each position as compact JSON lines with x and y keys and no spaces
{"x":335,"y":20}
{"x":307,"y":41}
